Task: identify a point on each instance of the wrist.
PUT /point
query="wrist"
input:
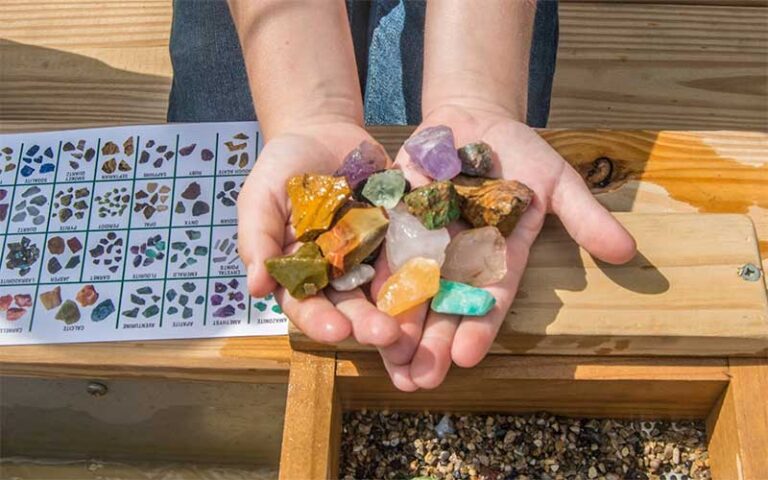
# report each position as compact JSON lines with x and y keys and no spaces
{"x":310,"y":113}
{"x":476,"y":93}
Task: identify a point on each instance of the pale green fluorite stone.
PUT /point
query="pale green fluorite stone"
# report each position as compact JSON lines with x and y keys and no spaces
{"x":385,"y":189}
{"x":461,"y":299}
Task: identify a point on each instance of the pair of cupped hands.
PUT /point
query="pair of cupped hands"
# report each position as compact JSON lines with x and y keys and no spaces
{"x":418,"y":346}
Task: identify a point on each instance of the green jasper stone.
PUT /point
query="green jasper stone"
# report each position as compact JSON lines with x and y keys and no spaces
{"x":461,"y":299}
{"x":303,"y":273}
{"x":436,"y":204}
{"x":385,"y":189}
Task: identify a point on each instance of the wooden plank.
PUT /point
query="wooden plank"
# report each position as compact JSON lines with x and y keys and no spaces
{"x":680,"y":296}
{"x":312,"y":419}
{"x":661,"y":66}
{"x":585,"y":386}
{"x":738,"y":425}
{"x":240,"y":359}
{"x":77,"y":63}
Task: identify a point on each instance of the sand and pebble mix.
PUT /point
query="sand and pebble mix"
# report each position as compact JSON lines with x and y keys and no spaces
{"x":400,"y":445}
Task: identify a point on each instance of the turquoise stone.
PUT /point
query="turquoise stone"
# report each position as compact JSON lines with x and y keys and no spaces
{"x":461,"y":299}
{"x":385,"y":189}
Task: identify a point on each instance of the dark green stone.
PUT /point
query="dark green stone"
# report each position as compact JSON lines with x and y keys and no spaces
{"x":68,"y":312}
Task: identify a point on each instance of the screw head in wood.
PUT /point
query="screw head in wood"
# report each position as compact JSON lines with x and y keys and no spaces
{"x":750,"y":272}
{"x":96,"y":389}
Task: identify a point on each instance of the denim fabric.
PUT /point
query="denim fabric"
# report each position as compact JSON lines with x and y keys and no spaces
{"x":210,"y":83}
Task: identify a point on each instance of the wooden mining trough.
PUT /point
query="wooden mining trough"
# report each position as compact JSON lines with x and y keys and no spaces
{"x":677,"y":333}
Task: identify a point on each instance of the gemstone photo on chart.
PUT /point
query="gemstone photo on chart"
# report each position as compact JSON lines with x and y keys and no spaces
{"x":29,"y":212}
{"x":237,"y":153}
{"x":157,"y":155}
{"x":38,"y":162}
{"x":225,"y":259}
{"x":266,"y":313}
{"x":62,"y":258}
{"x":77,"y":303}
{"x":71,"y":206}
{"x":6,"y":193}
{"x":225,"y":200}
{"x":21,"y":258}
{"x":228,"y":299}
{"x":110,"y":207}
{"x":192,"y":201}
{"x":77,"y":160}
{"x":147,"y":253}
{"x":116,"y":159}
{"x":184,"y":303}
{"x":141,"y":302}
{"x":105,"y":256}
{"x":16,"y":306}
{"x":9,"y":154}
{"x":151,"y":203}
{"x":189,"y":252}
{"x":197,"y":151}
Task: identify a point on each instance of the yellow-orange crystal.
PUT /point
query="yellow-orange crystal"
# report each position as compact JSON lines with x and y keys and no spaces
{"x":414,"y":283}
{"x":314,"y":201}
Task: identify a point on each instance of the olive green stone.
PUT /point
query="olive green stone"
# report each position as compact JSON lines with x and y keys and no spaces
{"x":303,"y":273}
{"x":68,"y":312}
{"x":456,"y":298}
{"x":436,"y":204}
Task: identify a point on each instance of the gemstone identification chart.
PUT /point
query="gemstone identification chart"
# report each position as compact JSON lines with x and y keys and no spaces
{"x":127,"y":233}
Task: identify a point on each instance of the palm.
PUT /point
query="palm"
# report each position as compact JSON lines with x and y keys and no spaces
{"x":430,"y":341}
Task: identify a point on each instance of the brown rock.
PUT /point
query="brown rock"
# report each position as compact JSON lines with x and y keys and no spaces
{"x":51,"y":299}
{"x":354,"y":237}
{"x":485,"y":201}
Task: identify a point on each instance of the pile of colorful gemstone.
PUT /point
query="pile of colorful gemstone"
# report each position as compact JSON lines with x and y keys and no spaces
{"x":346,"y":219}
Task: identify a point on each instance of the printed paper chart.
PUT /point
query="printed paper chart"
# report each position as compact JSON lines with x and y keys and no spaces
{"x":126,"y":233}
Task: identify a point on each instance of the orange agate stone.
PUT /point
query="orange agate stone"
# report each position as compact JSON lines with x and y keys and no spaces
{"x":414,"y":283}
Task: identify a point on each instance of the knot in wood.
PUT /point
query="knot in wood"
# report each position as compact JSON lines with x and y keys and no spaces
{"x":600,"y":173}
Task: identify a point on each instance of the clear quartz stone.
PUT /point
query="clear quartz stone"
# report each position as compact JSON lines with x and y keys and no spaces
{"x":477,"y":257}
{"x":407,"y":238}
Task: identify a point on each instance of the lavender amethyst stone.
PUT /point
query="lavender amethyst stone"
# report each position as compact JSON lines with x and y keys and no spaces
{"x":434,"y":152}
{"x":366,"y":159}
{"x":216,"y":299}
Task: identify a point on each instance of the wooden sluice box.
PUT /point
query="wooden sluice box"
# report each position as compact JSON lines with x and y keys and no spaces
{"x":679,"y":332}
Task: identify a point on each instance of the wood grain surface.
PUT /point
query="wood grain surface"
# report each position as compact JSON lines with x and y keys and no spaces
{"x":588,"y":386}
{"x":646,"y":64}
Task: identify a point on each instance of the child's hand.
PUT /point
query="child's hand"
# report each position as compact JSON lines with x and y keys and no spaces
{"x":422,"y":355}
{"x":264,"y":231}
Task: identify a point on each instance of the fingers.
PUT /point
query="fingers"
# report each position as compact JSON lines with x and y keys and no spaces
{"x":475,"y":335}
{"x":316,"y":317}
{"x":369,"y":325}
{"x":260,"y":231}
{"x":432,"y":359}
{"x":400,"y":375}
{"x":588,"y":222}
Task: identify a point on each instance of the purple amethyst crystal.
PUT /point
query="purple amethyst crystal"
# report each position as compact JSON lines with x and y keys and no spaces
{"x":433,"y":151}
{"x":219,"y":287}
{"x":361,"y":162}
{"x":216,"y":299}
{"x":224,"y":312}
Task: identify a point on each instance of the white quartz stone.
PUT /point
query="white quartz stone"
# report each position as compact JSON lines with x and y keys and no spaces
{"x":407,"y":238}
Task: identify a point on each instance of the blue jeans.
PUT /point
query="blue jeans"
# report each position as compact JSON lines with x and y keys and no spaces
{"x":210,"y":82}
